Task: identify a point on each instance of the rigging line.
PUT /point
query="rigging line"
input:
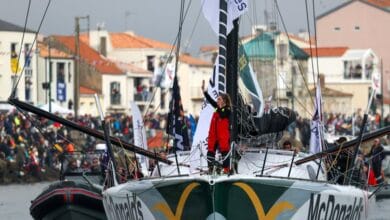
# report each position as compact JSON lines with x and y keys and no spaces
{"x":21,"y":42}
{"x":311,"y":50}
{"x":298,"y":63}
{"x":32,"y":45}
{"x":194,"y":28}
{"x":177,"y":54}
{"x":300,"y":103}
{"x":164,"y":69}
{"x":315,"y":41}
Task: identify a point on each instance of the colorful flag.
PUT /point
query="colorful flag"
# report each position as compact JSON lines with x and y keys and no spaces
{"x":316,"y":123}
{"x":211,"y":12}
{"x":177,"y":126}
{"x":249,"y":80}
{"x":15,"y":68}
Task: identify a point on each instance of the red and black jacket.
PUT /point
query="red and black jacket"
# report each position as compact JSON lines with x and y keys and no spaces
{"x":219,"y":132}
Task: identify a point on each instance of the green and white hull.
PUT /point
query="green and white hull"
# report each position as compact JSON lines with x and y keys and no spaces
{"x":234,"y":197}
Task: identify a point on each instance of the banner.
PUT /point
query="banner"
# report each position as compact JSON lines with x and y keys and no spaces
{"x":250,"y":82}
{"x":15,"y":68}
{"x":61,"y":91}
{"x":139,"y":135}
{"x":316,"y":123}
{"x":211,"y":12}
{"x":177,"y":125}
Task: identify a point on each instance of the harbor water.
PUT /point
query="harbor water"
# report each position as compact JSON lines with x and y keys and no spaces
{"x":15,"y":202}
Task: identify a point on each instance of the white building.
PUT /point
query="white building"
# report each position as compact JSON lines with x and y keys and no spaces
{"x":150,"y":56}
{"x":10,"y":49}
{"x":56,"y":78}
{"x":348,"y":71}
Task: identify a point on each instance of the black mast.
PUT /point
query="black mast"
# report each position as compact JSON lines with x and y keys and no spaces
{"x":232,"y":76}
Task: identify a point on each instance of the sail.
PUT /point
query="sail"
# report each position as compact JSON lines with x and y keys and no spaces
{"x":211,"y":12}
{"x":139,"y":134}
{"x":249,"y":80}
{"x":199,"y":143}
{"x":177,"y":125}
{"x":316,"y":123}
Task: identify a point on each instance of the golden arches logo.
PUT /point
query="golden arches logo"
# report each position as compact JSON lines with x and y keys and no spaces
{"x":164,"y":208}
{"x":273,"y":212}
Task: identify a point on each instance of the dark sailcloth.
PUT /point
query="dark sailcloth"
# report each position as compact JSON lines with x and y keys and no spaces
{"x":177,"y":126}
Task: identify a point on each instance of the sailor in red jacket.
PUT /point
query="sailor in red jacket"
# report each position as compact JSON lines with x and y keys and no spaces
{"x":219,"y":133}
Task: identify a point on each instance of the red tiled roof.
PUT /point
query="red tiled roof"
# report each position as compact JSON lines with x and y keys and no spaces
{"x":380,"y":3}
{"x":185,"y":58}
{"x":90,"y":55}
{"x":126,"y":40}
{"x":326,"y":51}
{"x":87,"y":91}
{"x":54,"y":53}
{"x":84,"y":37}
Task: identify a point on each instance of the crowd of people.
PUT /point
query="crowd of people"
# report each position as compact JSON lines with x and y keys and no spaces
{"x":30,"y":145}
{"x":337,"y":125}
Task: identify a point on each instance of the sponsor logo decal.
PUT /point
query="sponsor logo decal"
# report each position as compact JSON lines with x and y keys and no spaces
{"x":164,"y":208}
{"x":274,"y":211}
{"x":128,"y":209}
{"x":329,"y":208}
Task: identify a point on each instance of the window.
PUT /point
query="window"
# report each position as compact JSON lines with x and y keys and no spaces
{"x":103,"y":46}
{"x":357,"y":28}
{"x":352,"y":70}
{"x":115,"y":93}
{"x":69,"y":73}
{"x":282,"y":51}
{"x":61,"y":86}
{"x":14,"y":59}
{"x":150,"y":63}
{"x":61,"y":72}
{"x":336,"y":28}
{"x":27,"y":89}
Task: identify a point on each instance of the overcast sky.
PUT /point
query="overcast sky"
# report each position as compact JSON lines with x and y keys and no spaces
{"x":157,"y":19}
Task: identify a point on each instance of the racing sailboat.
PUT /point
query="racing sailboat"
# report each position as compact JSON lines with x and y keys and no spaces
{"x":267,"y":184}
{"x":278,"y":185}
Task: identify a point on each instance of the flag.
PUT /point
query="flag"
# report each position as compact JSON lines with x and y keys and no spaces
{"x":210,"y":10}
{"x":169,"y":74}
{"x":376,"y":82}
{"x":139,"y":135}
{"x":249,"y":80}
{"x":15,"y":68}
{"x":316,"y":123}
{"x":177,"y":126}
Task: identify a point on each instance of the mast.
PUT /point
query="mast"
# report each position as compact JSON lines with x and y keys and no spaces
{"x":222,"y":41}
{"x":232,"y":76}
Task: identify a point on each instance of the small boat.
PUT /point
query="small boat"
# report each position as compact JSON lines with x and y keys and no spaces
{"x":77,"y":195}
